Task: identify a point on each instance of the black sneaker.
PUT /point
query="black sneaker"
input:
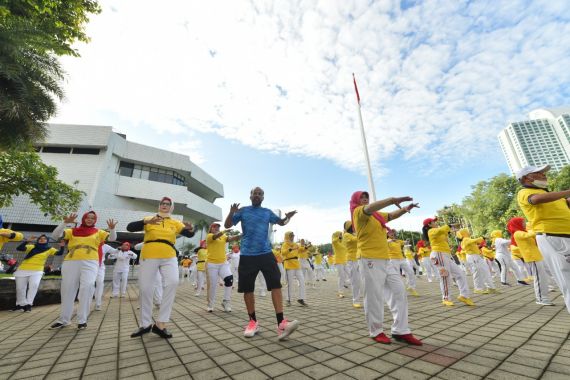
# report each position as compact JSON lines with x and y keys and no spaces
{"x":141,"y":331}
{"x":324,"y":279}
{"x":18,"y":308}
{"x":82,"y":326}
{"x":57,"y":325}
{"x":523,"y":282}
{"x":302,"y":302}
{"x":27,"y":308}
{"x":163,"y":333}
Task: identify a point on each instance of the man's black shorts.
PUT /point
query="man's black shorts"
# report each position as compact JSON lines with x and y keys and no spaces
{"x":249,"y":267}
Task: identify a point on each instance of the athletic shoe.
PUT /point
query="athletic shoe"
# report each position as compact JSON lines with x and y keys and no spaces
{"x":324,"y":279}
{"x":82,"y":326}
{"x":545,"y":303}
{"x":466,"y":300}
{"x":481,"y":291}
{"x":197,"y":294}
{"x":340,"y":295}
{"x":251,"y":329}
{"x":550,"y":289}
{"x":286,"y":328}
{"x":523,"y":283}
{"x":493,"y":291}
{"x":57,"y":325}
{"x":447,"y":303}
{"x":507,"y":284}
{"x":27,"y":308}
{"x":141,"y":331}
{"x":382,"y":338}
{"x":357,"y":305}
{"x":227,"y":306}
{"x":18,"y":308}
{"x":209,"y":309}
{"x":414,"y":292}
{"x":163,"y":333}
{"x":98,"y":307}
{"x":408,"y":338}
{"x":302,"y":302}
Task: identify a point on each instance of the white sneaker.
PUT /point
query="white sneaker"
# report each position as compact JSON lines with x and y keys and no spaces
{"x":251,"y":329}
{"x":545,"y":303}
{"x":98,"y":307}
{"x":286,"y":328}
{"x":209,"y":309}
{"x":197,"y":294}
{"x":227,"y":306}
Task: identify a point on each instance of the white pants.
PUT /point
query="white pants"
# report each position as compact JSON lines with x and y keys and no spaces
{"x":538,"y":271}
{"x":282,"y":271}
{"x":481,"y":272}
{"x":77,"y":275}
{"x":168,"y":269}
{"x":307,"y":271}
{"x":522,"y":267}
{"x":430,"y":270}
{"x":493,"y":267}
{"x":401,"y":264}
{"x":556,"y":253}
{"x":185,"y":273}
{"x":382,"y":283}
{"x":234,"y":261}
{"x":319,"y":272}
{"x":200,"y":280}
{"x":355,"y":280}
{"x":291,"y":275}
{"x":442,"y":260}
{"x":213,"y":273}
{"x":341,"y":276}
{"x":192,"y":274}
{"x":27,"y":284}
{"x":99,"y":285}
{"x":412,"y":263}
{"x":507,"y":263}
{"x":157,"y":291}
{"x":120,"y":282}
{"x":261,"y":284}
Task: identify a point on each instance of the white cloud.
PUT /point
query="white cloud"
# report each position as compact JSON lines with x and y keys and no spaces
{"x":443,"y":76}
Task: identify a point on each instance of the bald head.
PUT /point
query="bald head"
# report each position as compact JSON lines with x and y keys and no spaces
{"x":256,"y":196}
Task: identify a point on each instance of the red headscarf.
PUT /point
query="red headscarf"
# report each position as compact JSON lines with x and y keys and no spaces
{"x":514,"y":225}
{"x":83,"y":230}
{"x":355,"y":202}
{"x":128,"y":245}
{"x":420,"y":244}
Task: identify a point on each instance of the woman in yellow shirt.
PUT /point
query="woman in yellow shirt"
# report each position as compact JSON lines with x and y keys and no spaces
{"x":31,"y":270}
{"x":158,"y":254}
{"x":201,"y":260}
{"x":290,"y":252}
{"x":482,"y":281}
{"x":423,"y":254}
{"x":380,"y":277}
{"x":526,"y":241}
{"x":517,"y":259}
{"x":80,"y":266}
{"x":441,"y":258}
{"x":350,"y":242}
{"x":340,"y":259}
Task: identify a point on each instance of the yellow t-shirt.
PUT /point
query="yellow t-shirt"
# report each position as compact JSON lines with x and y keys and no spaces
{"x":527,"y":244}
{"x":186,"y":263}
{"x":372,"y":239}
{"x":36,"y":262}
{"x":302,"y":252}
{"x":516,"y":252}
{"x":462,"y":256}
{"x":351,"y":244}
{"x":290,"y":253}
{"x":438,"y":239}
{"x":202,"y":257}
{"x":19,"y":236}
{"x":423,"y":252}
{"x":551,"y":217}
{"x":166,"y":230}
{"x":278,"y":255}
{"x":408,"y":252}
{"x":471,"y":246}
{"x":318,"y":258}
{"x":84,"y":247}
{"x":339,"y":249}
{"x":216,"y":249}
{"x":395,"y":249}
{"x":488,"y":253}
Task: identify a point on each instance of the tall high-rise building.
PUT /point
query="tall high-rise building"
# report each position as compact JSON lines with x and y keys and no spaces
{"x":544,"y":139}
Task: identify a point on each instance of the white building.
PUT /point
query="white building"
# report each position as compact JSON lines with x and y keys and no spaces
{"x":121,"y":179}
{"x":542,"y":140}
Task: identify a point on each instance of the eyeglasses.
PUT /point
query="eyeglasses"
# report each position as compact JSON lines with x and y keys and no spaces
{"x":165,"y":204}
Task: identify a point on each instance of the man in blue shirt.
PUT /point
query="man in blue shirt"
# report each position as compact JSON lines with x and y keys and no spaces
{"x":256,"y":256}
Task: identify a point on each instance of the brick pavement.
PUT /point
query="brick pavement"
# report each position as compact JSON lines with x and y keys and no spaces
{"x":507,"y":336}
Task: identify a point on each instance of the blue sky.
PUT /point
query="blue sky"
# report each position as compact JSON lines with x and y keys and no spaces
{"x":260,"y":93}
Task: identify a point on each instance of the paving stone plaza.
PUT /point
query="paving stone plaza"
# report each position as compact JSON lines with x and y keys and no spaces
{"x":506,"y":336}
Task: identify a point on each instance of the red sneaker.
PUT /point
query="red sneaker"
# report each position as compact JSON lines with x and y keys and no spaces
{"x":408,"y":338}
{"x":382,"y":338}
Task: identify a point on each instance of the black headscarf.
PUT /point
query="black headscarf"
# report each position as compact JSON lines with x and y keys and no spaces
{"x":38,"y":248}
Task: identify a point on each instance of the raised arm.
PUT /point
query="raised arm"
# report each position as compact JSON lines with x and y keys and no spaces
{"x":228,"y":223}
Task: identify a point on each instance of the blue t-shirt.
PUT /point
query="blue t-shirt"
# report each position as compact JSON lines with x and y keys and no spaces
{"x":255,"y":223}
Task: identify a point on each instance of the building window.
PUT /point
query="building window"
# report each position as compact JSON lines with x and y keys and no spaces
{"x":128,"y":169}
{"x":56,"y":149}
{"x":93,"y":151}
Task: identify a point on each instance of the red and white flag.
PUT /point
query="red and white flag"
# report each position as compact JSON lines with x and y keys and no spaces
{"x":356,"y":89}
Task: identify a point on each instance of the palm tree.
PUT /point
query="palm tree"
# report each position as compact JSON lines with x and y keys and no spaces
{"x":202,"y":225}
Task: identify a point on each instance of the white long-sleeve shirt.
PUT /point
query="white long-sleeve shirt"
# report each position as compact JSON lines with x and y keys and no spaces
{"x":502,"y":246}
{"x":123,"y":259}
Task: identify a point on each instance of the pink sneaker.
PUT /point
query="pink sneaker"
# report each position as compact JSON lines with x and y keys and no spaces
{"x":251,"y":329}
{"x":286,"y":328}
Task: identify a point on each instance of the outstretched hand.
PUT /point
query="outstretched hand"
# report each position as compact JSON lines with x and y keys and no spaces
{"x":234,"y":207}
{"x":290,"y":214}
{"x":70,"y":218}
{"x":399,"y":200}
{"x":154,"y":220}
{"x":111,"y":223}
{"x":409,"y":207}
{"x":188,"y":226}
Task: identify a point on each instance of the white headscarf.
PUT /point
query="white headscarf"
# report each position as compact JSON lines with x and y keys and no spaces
{"x":169,"y":213}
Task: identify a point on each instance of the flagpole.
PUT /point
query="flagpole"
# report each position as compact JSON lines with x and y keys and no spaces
{"x":364,"y":144}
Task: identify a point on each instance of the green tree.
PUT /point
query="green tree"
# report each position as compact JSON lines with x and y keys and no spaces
{"x":32,"y":34}
{"x":187,"y":249}
{"x":25,"y":173}
{"x":560,"y":181}
{"x":201,"y":225}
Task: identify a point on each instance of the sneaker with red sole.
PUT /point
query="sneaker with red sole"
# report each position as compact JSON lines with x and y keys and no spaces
{"x":382,"y":338}
{"x":251,"y":329}
{"x":408,"y":338}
